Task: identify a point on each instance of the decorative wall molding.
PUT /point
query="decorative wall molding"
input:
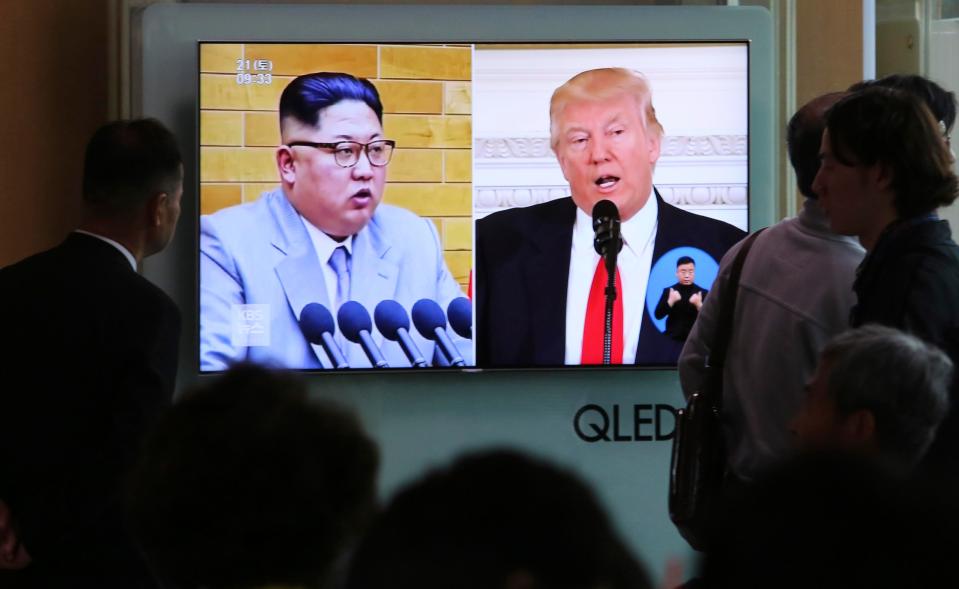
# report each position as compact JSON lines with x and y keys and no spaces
{"x":492,"y":198}
{"x":511,"y":147}
{"x":704,"y":145}
{"x":673,"y":146}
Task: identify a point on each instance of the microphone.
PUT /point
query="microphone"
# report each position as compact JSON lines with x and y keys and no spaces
{"x":356,"y":325}
{"x":460,"y":312}
{"x":316,"y":323}
{"x":394,"y":324}
{"x":607,"y":240}
{"x":430,"y":321}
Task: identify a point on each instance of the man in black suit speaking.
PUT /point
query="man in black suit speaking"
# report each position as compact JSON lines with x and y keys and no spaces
{"x":538,"y":279}
{"x":94,"y":346}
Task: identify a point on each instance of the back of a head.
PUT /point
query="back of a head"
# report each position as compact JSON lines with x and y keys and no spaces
{"x":939,"y":101}
{"x":902,"y":380}
{"x":894,"y":129}
{"x":492,"y":520}
{"x":803,"y":138}
{"x":245,"y":482}
{"x":834,"y":521}
{"x":127,"y":162}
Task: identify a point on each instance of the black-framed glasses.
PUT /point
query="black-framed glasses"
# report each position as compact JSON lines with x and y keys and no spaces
{"x":347,"y":153}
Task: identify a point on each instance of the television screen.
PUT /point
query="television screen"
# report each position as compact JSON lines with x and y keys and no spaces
{"x":372,"y":205}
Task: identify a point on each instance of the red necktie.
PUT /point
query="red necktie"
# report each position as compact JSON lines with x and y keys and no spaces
{"x":596,"y":319}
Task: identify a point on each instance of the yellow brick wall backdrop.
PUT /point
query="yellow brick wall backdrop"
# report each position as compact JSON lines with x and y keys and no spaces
{"x":427,"y":111}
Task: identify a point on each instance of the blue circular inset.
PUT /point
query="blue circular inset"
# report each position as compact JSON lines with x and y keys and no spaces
{"x":663,"y":275}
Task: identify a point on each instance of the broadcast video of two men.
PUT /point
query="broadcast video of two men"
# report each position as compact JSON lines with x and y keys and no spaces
{"x":402,"y":206}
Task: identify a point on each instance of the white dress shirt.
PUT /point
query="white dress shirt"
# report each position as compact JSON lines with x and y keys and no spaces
{"x":324,"y":245}
{"x":633,"y":262}
{"x":126,"y":253}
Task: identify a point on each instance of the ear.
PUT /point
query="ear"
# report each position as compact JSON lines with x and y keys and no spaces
{"x":285,"y":164}
{"x":859,"y":427}
{"x":884,"y":175}
{"x":653,"y":142}
{"x":156,"y":209}
{"x":561,"y":159}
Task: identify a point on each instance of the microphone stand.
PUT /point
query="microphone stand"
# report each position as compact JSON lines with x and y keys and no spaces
{"x":610,"y":260}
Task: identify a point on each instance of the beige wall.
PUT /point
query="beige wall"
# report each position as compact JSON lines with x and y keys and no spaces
{"x":58,"y":89}
{"x":53,"y":95}
{"x":828,"y":46}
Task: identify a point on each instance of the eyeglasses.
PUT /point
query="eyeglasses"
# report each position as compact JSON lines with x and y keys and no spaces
{"x":347,"y":153}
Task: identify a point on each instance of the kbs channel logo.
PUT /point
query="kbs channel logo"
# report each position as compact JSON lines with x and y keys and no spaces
{"x":251,"y":325}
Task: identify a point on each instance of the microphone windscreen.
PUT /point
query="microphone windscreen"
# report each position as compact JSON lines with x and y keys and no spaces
{"x":390,"y":317}
{"x":460,"y":312}
{"x":315,"y":320}
{"x":352,"y":319}
{"x":427,"y":316}
{"x":605,"y":209}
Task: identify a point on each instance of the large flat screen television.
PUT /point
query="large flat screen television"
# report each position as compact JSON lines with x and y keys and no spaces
{"x":469,"y":243}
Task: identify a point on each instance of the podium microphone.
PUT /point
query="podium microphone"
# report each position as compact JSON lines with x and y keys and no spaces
{"x":606,"y":228}
{"x":607,"y":241}
{"x":430,"y":321}
{"x":316,"y":323}
{"x":355,"y":323}
{"x":460,"y":312}
{"x":393,"y":322}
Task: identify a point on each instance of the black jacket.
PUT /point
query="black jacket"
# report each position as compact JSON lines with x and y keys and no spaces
{"x":910,"y":280}
{"x":522,"y":271}
{"x":92,"y":346}
{"x":681,"y":316}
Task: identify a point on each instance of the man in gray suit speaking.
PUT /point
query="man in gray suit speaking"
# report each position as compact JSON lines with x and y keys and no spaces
{"x":321,"y":237}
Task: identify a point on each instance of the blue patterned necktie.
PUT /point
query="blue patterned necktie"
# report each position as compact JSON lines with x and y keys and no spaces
{"x":340,"y":262}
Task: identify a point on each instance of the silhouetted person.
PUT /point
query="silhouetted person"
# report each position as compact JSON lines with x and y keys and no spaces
{"x":495,"y":520}
{"x":886,"y":170}
{"x":835,"y":521}
{"x":794,"y":294}
{"x":96,"y":345}
{"x":879,"y":392}
{"x":247,"y":483}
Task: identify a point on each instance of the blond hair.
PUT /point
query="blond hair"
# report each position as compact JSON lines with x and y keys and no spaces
{"x":603,"y":84}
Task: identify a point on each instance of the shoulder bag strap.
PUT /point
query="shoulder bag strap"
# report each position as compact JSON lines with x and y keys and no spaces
{"x":717,"y":353}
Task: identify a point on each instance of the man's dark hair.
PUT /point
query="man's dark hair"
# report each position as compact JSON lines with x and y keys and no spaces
{"x":685,"y":260}
{"x":306,"y":96}
{"x":488,"y":518}
{"x":941,"y":102}
{"x":129,"y":161}
{"x":246,"y":482}
{"x":902,"y":380}
{"x":804,"y":137}
{"x":894,"y":129}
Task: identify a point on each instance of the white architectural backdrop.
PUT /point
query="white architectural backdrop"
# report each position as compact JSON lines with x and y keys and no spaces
{"x":700,"y":92}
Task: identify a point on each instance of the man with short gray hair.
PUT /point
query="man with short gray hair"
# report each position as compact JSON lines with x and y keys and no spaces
{"x":878,"y":391}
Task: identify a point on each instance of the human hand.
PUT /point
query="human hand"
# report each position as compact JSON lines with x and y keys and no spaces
{"x":697,"y":300}
{"x":673,"y":297}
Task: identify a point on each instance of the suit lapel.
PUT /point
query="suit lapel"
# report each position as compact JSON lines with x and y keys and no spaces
{"x":667,"y":236}
{"x":299,"y":272}
{"x":547,"y":276}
